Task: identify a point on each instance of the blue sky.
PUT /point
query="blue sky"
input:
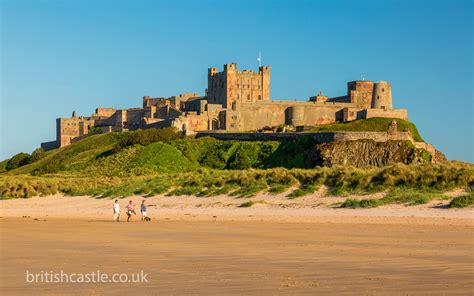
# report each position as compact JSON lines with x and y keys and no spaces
{"x":60,"y":56}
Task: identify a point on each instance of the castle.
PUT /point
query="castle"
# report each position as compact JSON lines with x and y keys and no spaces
{"x":234,"y":101}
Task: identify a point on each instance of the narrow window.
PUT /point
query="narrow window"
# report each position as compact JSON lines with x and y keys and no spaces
{"x":259,"y":97}
{"x":248,"y":97}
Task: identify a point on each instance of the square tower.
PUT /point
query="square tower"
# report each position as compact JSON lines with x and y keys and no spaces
{"x":360,"y":93}
{"x":231,"y":85}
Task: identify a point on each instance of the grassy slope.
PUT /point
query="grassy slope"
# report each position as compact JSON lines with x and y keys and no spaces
{"x":217,"y":154}
{"x":161,"y":157}
{"x":80,"y":152}
{"x":3,"y":165}
{"x":195,"y":166}
{"x":411,"y":184}
{"x":95,"y":155}
{"x":98,"y":156}
{"x":372,"y":124}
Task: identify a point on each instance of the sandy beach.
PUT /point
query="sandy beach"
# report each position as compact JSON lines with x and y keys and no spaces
{"x":314,"y":207}
{"x":212,"y":246}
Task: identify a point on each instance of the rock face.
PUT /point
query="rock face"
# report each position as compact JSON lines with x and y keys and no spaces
{"x":363,"y":153}
{"x":438,"y":157}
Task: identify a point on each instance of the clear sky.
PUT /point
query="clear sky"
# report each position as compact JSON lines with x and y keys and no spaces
{"x":60,"y":56}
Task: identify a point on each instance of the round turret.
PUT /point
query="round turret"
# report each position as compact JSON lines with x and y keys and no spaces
{"x":296,"y":115}
{"x":382,"y":97}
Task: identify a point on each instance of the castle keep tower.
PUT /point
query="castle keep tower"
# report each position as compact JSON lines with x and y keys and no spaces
{"x":360,"y":93}
{"x":382,"y":98}
{"x":232,"y":85}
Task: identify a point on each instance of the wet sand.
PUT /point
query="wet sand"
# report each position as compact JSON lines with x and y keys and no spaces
{"x":346,"y":253}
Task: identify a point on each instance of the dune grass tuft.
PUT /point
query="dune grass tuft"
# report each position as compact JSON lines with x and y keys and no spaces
{"x":407,"y":184}
{"x":250,"y":203}
{"x":408,"y":197}
{"x":463,"y":201}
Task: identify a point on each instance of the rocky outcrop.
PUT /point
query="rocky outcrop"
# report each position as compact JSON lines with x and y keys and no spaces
{"x":363,"y":153}
{"x":438,"y":157}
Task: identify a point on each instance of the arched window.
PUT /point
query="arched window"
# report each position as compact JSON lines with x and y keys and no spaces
{"x":259,"y":97}
{"x":238,"y":96}
{"x":383,"y":89}
{"x":248,"y":97}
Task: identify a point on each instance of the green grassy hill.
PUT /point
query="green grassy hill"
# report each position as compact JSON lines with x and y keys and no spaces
{"x":78,"y":153}
{"x":108,"y":155}
{"x":148,"y":151}
{"x":157,"y":161}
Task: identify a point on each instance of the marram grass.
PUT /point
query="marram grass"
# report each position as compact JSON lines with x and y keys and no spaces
{"x":408,"y":184}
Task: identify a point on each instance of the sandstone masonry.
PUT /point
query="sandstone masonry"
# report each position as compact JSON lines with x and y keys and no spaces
{"x":234,"y":102}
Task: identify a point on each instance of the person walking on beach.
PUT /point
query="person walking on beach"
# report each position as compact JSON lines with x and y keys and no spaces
{"x":143,"y":210}
{"x":130,"y":211}
{"x":116,"y":211}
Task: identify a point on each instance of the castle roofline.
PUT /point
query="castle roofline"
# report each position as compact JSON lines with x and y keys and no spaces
{"x":234,"y":66}
{"x":360,"y":81}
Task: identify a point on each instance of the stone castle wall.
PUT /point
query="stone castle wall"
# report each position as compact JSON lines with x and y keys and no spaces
{"x":237,"y":101}
{"x":248,"y":117}
{"x":70,"y":128}
{"x":323,"y":137}
{"x":385,"y":113}
{"x":104,"y":112}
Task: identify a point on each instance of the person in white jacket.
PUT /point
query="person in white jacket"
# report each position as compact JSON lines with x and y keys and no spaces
{"x":116,"y":211}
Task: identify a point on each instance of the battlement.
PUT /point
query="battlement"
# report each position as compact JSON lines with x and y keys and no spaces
{"x":233,"y":67}
{"x":247,"y":72}
{"x":212,"y":71}
{"x":104,"y":112}
{"x":230,"y":67}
